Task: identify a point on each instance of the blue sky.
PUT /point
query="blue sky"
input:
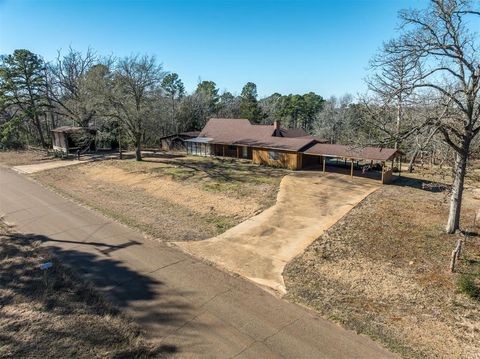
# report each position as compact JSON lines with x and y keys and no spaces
{"x":286,"y":46}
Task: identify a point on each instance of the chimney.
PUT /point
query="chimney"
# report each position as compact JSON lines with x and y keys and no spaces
{"x":276,"y":127}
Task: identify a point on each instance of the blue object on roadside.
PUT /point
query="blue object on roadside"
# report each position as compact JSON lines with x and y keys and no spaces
{"x":46,"y":265}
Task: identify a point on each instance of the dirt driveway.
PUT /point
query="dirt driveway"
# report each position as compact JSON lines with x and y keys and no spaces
{"x":307,"y":205}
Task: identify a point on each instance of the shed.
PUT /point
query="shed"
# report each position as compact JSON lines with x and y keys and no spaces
{"x":71,"y":139}
{"x":177,"y":141}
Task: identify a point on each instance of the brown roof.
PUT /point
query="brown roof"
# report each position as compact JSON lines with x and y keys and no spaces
{"x":71,"y":129}
{"x":293,"y":132}
{"x":316,"y":138}
{"x":366,"y":153}
{"x":190,"y":133}
{"x":242,"y":132}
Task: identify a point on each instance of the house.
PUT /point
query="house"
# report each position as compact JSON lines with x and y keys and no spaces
{"x":287,"y":148}
{"x":70,"y":139}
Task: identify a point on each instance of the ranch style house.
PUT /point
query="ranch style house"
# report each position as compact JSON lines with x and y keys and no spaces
{"x":290,"y":148}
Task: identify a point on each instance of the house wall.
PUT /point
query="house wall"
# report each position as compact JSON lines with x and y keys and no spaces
{"x":231,"y":151}
{"x":198,"y":148}
{"x":60,"y":142}
{"x":290,"y":160}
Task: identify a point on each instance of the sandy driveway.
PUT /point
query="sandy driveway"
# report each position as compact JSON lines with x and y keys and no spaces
{"x":307,"y":205}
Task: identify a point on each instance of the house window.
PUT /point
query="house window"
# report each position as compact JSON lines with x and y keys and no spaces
{"x":232,"y":148}
{"x":244,"y":151}
{"x":273,"y":155}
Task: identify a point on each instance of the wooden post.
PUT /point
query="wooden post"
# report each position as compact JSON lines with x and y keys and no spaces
{"x":351,"y":169}
{"x":383,"y":164}
{"x":223,"y":149}
{"x":238,"y":152}
{"x":323,"y":163}
{"x":400,"y":167}
{"x":455,"y":255}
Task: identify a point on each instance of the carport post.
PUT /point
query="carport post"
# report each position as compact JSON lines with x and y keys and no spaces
{"x":383,"y":164}
{"x":323,"y":157}
{"x":351,"y":168}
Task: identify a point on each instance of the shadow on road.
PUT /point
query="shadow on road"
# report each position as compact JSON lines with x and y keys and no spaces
{"x":78,"y":286}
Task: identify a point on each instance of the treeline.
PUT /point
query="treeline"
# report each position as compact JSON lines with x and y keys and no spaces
{"x":133,"y":94}
{"x":134,"y":97}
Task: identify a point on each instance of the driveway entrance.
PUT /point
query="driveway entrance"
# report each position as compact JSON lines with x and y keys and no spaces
{"x":307,"y":205}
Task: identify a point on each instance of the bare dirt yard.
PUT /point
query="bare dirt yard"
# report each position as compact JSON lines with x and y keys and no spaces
{"x":383,"y":270}
{"x":171,"y":197}
{"x":38,"y":308}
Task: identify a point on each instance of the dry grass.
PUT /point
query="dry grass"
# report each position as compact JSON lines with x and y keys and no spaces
{"x":443,"y":174}
{"x":18,"y":158}
{"x":172,"y":198}
{"x":383,"y":271}
{"x":53,"y":314}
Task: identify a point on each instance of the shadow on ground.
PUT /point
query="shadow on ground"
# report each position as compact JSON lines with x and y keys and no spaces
{"x":57,"y":305}
{"x":422,"y":184}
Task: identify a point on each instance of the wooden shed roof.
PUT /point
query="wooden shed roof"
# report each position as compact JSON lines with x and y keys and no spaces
{"x":72,"y":129}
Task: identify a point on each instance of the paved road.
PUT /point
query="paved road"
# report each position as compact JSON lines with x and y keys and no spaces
{"x":260,"y":247}
{"x":193,"y":309}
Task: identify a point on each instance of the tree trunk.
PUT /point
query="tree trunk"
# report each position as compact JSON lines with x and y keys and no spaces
{"x":412,"y":160}
{"x":38,"y":125}
{"x":399,"y":118}
{"x":138,"y":148}
{"x":460,"y":169}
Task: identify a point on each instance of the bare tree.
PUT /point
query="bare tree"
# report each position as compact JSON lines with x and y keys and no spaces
{"x":392,"y":83}
{"x":334,"y":121}
{"x":137,"y":81}
{"x":69,"y":88}
{"x":438,"y":40}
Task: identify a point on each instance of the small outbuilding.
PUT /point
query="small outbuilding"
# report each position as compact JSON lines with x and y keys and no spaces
{"x":71,"y":139}
{"x":176,"y":142}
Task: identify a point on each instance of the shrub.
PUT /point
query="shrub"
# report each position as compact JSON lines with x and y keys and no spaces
{"x":467,"y":285}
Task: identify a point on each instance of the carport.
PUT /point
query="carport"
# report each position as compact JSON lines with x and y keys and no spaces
{"x":365,"y":159}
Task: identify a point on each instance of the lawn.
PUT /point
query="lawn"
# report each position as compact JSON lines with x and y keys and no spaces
{"x":383,"y":270}
{"x":171,"y":197}
{"x":18,"y":158}
{"x":54,"y":314}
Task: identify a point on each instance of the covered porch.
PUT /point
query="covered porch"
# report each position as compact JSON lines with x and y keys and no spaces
{"x":204,"y":146}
